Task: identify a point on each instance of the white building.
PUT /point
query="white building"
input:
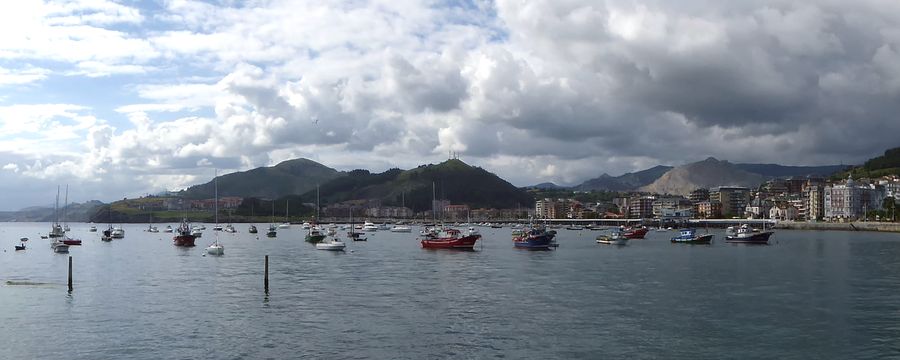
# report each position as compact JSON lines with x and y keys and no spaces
{"x":851,"y":200}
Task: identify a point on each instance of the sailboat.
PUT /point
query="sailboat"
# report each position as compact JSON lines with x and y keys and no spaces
{"x":315,"y":235}
{"x":66,"y":239}
{"x":106,"y":235}
{"x":152,"y":228}
{"x":272,"y":229}
{"x":252,"y":229}
{"x":56,"y":230}
{"x":353,"y":235}
{"x":216,"y":248}
{"x":287,"y":209}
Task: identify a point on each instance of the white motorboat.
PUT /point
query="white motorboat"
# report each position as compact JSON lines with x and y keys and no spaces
{"x":401,"y":229}
{"x":93,"y":228}
{"x":332,"y":243}
{"x":613,"y":238}
{"x":369,"y":227}
{"x":195,"y":232}
{"x":117,"y":232}
{"x":168,"y":229}
{"x":59,"y":247}
{"x":230,"y":229}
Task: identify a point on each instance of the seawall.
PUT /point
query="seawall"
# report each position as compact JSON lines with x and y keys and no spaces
{"x":848,"y":226}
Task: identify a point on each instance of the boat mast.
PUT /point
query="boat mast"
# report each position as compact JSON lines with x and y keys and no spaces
{"x":433,"y":208}
{"x":66,"y":203}
{"x":317,"y":202}
{"x":56,"y":207}
{"x":216,"y":206}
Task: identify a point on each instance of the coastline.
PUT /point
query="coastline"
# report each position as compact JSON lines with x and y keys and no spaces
{"x":845,"y":226}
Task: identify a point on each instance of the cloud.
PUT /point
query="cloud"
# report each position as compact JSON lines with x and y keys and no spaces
{"x":537,"y":91}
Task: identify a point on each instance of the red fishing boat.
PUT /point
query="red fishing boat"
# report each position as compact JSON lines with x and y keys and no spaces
{"x":635,"y":233}
{"x":69,"y":241}
{"x":450,"y":239}
{"x":183,"y":235}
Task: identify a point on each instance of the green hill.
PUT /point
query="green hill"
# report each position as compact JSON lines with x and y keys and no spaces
{"x":887,"y":164}
{"x":453,"y":180}
{"x":287,"y":178}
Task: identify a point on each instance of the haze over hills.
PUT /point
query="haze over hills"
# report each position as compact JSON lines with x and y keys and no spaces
{"x":702,"y":174}
{"x":624,"y":182}
{"x":288,"y":177}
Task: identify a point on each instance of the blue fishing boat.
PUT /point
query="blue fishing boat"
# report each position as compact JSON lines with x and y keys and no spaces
{"x":535,"y":239}
{"x":689,"y":236}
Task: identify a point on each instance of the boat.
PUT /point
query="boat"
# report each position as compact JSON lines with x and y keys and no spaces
{"x":70,"y":241}
{"x":150,"y":227}
{"x":661,"y":229}
{"x":272,"y":231}
{"x":24,"y":239}
{"x":332,"y":244}
{"x":287,"y":223}
{"x":56,"y":230}
{"x":59,"y":247}
{"x":383,"y":226}
{"x":352,"y":234}
{"x":118,"y":232}
{"x":168,"y":229}
{"x":575,"y":227}
{"x":106,"y":235}
{"x":252,"y":229}
{"x":689,"y":236}
{"x":536,"y":238}
{"x":635,"y":233}
{"x":217,"y":228}
{"x":314,"y":235}
{"x":450,"y":239}
{"x":197,"y":232}
{"x":20,"y":247}
{"x":613,"y":238}
{"x":369,"y":227}
{"x":496,"y":226}
{"x":230,"y":229}
{"x":184,"y":235}
{"x":216,"y":248}
{"x":401,"y":229}
{"x":93,"y":228}
{"x":744,"y":234}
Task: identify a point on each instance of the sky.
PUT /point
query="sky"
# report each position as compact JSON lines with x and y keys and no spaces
{"x":123,"y":98}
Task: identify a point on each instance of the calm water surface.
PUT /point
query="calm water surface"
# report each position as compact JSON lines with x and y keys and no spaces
{"x":809,"y":295}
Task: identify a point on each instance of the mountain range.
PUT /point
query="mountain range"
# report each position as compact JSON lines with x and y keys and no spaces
{"x":453,"y":180}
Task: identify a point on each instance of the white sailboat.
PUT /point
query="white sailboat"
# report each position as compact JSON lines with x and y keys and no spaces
{"x":287,"y":209}
{"x":216,"y":248}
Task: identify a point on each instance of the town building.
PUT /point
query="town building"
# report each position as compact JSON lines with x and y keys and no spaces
{"x":734,"y":199}
{"x":851,"y":200}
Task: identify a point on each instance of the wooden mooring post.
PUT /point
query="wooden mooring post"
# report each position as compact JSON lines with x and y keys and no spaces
{"x":265,"y":279}
{"x":70,"y":273}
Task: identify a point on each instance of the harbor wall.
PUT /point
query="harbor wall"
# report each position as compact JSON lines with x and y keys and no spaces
{"x":847,"y":226}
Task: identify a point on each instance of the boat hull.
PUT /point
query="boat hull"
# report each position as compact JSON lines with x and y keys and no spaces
{"x":461,"y":243}
{"x":635,"y":234}
{"x":542,"y":242}
{"x":331,"y":246}
{"x":72,"y":242}
{"x":755,"y":238}
{"x":620,"y":241}
{"x":315,"y":239}
{"x":184,"y":240}
{"x":216,"y":250}
{"x":702,"y":239}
